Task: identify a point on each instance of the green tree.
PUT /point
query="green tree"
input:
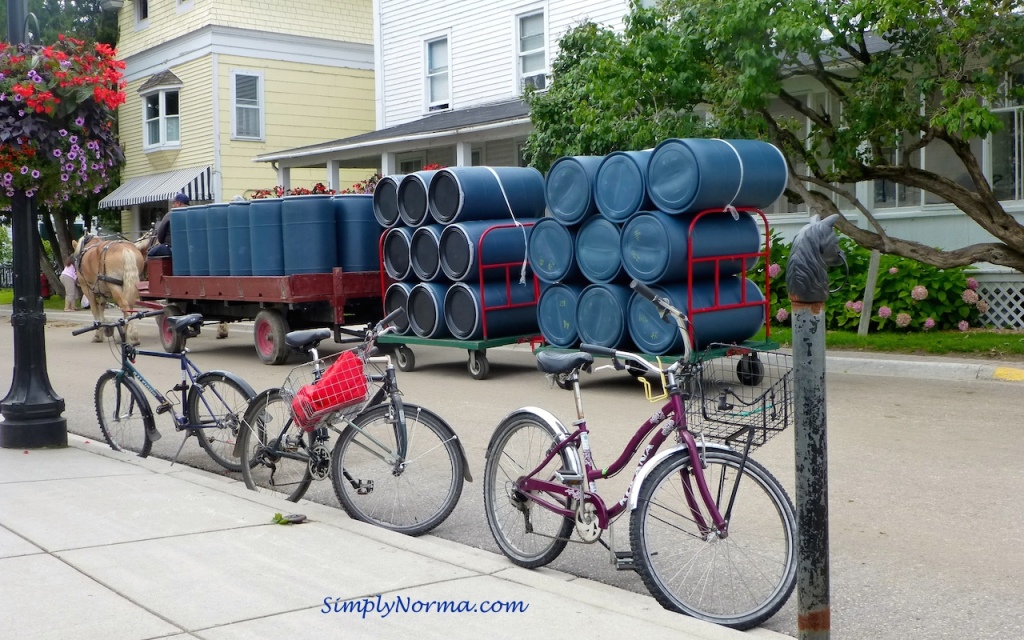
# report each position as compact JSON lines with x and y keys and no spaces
{"x":83,"y":19}
{"x":899,"y":75}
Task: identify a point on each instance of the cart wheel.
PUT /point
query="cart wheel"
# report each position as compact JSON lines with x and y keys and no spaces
{"x":478,"y":365}
{"x":172,"y":342}
{"x":750,"y":370}
{"x":405,"y":358}
{"x":269,"y":330}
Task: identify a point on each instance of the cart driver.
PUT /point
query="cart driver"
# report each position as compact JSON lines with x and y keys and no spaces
{"x":163,"y":228}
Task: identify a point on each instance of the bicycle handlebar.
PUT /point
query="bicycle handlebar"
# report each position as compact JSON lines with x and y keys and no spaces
{"x":120,"y":322}
{"x":666,"y":308}
{"x":382,"y":325}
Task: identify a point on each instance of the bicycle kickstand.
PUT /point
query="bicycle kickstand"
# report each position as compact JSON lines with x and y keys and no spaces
{"x":178,"y":453}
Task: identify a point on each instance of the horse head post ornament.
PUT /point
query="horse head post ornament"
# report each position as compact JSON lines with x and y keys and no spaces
{"x":815,"y":249}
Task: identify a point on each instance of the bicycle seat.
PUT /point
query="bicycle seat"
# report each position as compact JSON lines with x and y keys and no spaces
{"x":306,"y":339}
{"x":551,"y":362}
{"x":186,"y":325}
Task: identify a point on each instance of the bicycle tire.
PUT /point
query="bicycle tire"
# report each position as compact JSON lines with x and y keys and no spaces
{"x":273,"y":450}
{"x":514,"y":451}
{"x":738,"y":581}
{"x":418,"y":498}
{"x":219,"y":403}
{"x":124,"y":414}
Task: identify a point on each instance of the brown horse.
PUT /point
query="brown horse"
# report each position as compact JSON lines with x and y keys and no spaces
{"x":145,"y":243}
{"x":109,"y":270}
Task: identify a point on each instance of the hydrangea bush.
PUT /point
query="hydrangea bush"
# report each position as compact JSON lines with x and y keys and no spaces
{"x":909,"y":295}
{"x":57,"y":104}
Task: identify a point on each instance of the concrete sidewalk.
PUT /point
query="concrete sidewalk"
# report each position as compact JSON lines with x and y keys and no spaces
{"x":95,"y":544}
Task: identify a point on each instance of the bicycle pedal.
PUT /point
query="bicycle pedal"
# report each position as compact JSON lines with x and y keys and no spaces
{"x":163,"y":408}
{"x":567,"y":476}
{"x":365,"y":487}
{"x":624,"y":561}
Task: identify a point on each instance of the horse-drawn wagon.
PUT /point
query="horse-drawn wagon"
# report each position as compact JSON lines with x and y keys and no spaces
{"x":276,"y":304}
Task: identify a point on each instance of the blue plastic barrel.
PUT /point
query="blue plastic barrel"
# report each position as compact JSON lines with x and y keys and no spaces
{"x":569,"y":187}
{"x":239,"y":241}
{"x":693,"y":174}
{"x":412,"y":198}
{"x":658,"y":337}
{"x":396,"y":258}
{"x":308,"y":234}
{"x":265,"y":237}
{"x":466,"y":312}
{"x":654,"y":245}
{"x":217,"y":237}
{"x":620,"y":187}
{"x":458,"y":194}
{"x":179,"y":242}
{"x":385,"y":201}
{"x":599,"y":250}
{"x":426,"y":310}
{"x":551,"y":252}
{"x":423,"y":253}
{"x":358,"y":232}
{"x":463,"y":254}
{"x":198,"y":241}
{"x":556,"y":314}
{"x":397,"y":297}
{"x":601,"y":315}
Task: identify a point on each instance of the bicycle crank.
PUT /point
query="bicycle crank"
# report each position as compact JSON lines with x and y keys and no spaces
{"x":319,"y":462}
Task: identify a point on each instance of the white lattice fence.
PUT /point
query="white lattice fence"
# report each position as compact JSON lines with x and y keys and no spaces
{"x":1006,"y":303}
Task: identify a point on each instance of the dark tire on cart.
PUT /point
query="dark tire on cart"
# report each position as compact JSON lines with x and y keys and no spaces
{"x":478,"y":365}
{"x":750,"y":370}
{"x":405,"y":358}
{"x":172,"y":341}
{"x":269,"y":331}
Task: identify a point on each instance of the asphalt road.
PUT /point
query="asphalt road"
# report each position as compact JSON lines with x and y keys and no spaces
{"x":925,"y":477}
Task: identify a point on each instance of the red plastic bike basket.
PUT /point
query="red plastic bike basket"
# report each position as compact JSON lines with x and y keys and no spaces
{"x":342,"y":385}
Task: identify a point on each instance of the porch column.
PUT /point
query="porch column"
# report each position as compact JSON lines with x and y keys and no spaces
{"x":334,"y":175}
{"x":387,"y":163}
{"x":463,"y":154}
{"x":284,"y":177}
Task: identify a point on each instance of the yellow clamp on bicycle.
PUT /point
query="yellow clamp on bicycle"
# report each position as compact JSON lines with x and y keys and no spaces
{"x":647,"y":386}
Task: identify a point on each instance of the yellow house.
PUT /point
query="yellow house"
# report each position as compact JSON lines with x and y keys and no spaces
{"x":211,"y":84}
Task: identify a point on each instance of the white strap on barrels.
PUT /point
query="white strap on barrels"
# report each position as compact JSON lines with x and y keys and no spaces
{"x":729,"y":205}
{"x":522,"y":270}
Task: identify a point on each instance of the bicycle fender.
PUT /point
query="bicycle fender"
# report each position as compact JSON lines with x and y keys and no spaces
{"x":652,"y":464}
{"x":147,"y":411}
{"x":250,"y":394}
{"x":557,"y":429}
{"x":462,"y":452}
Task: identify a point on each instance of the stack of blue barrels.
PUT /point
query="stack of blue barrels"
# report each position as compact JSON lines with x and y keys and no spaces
{"x":276,"y":236}
{"x":634,"y":215}
{"x":432,"y":249}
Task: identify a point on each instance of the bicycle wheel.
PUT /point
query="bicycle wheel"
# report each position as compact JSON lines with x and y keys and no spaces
{"x":411,"y":496}
{"x":738,"y":581}
{"x":274,"y":451}
{"x":530,"y":535}
{"x":218,"y":403}
{"x":124,"y":414}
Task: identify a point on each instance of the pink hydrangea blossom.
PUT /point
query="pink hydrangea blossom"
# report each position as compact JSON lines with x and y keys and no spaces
{"x":893,"y":270}
{"x":903,"y":320}
{"x":782,"y":315}
{"x":919,"y":293}
{"x":929,"y":323}
{"x":858,"y":306}
{"x":963,"y":326}
{"x":849,"y":304}
{"x":884,"y":312}
{"x":982,"y":306}
{"x":774,"y":270}
{"x":970,"y":296}
{"x":972,"y":283}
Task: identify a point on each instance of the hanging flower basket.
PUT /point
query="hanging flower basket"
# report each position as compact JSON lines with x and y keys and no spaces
{"x":57,"y":107}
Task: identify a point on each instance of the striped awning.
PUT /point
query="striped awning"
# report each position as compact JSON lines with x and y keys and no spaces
{"x":194,"y":181}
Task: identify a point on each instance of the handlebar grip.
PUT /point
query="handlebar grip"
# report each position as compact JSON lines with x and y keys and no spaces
{"x":597,"y":350}
{"x":154,"y":312}
{"x":643,"y":290}
{"x":81,"y":330}
{"x":391,"y":316}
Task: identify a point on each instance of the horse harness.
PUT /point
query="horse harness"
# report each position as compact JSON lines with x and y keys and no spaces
{"x":102,"y":275}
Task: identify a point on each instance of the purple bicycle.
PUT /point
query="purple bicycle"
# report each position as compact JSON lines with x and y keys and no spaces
{"x":712,"y":532}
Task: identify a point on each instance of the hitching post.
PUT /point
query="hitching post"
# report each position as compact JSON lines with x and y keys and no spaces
{"x":31,"y":411}
{"x":814,"y":249}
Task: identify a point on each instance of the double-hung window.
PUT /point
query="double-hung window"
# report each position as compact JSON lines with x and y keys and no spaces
{"x":438,"y":75}
{"x":531,"y":50}
{"x":247,"y":105}
{"x":1007,"y":145}
{"x":161,"y":119}
{"x":141,"y":13}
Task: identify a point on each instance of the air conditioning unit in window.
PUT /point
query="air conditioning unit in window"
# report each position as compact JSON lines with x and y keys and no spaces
{"x":538,"y":82}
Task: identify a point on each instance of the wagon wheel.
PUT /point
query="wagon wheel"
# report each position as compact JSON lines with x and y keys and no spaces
{"x":405,"y":358}
{"x":171,"y":340}
{"x":269,"y":331}
{"x":750,"y":370}
{"x":478,"y":365}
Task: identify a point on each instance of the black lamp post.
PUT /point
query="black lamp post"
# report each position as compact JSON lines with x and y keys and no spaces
{"x":31,"y":411}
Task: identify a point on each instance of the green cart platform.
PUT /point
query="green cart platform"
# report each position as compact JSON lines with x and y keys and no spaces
{"x":477,"y":363}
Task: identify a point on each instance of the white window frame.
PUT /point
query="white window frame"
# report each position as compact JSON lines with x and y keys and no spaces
{"x":417,"y":157}
{"x":163,"y":118}
{"x":260,"y":106}
{"x":141,"y":22}
{"x":431,"y":104}
{"x":517,"y":21}
{"x":1005,"y":104}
